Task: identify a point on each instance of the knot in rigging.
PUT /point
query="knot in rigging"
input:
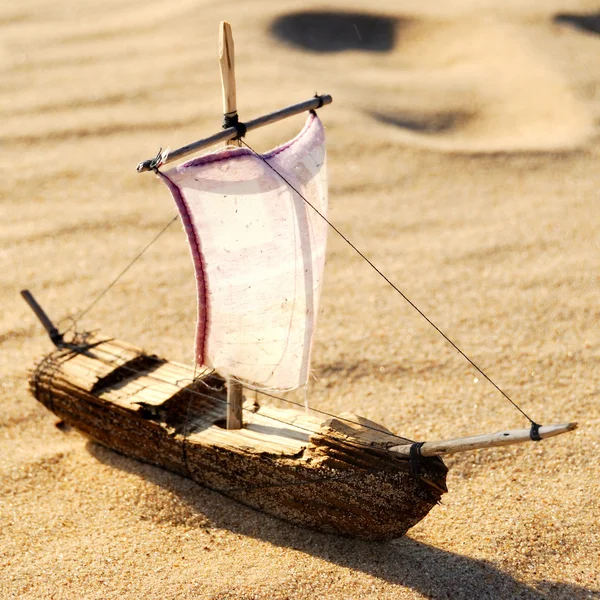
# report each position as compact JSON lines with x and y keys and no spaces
{"x":415,"y":457}
{"x":156,"y":162}
{"x":232,"y":120}
{"x":320,"y":99}
{"x":534,"y":433}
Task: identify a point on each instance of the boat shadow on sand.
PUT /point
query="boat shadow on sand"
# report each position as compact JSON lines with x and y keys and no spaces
{"x":406,"y":562}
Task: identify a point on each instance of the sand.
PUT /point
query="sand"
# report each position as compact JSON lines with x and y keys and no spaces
{"x":463,"y":154}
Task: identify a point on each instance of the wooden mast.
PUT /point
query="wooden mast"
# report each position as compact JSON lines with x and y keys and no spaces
{"x":235,"y":391}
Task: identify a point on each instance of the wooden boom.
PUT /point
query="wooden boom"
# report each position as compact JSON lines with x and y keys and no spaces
{"x":489,"y":440}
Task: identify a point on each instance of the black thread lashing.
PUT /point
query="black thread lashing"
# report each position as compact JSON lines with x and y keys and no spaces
{"x":232,"y":120}
{"x":534,"y":432}
{"x":415,"y":457}
{"x":157,"y":161}
{"x":313,"y":111}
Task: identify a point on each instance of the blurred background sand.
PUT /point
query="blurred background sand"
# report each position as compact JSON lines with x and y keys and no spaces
{"x":463,"y":154}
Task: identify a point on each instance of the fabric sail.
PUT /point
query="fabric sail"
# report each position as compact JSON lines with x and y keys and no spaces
{"x":259,"y":253}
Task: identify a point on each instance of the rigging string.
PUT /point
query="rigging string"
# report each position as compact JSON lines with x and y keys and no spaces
{"x":116,"y":279}
{"x":397,"y":289}
{"x":534,"y":425}
{"x":74,"y":322}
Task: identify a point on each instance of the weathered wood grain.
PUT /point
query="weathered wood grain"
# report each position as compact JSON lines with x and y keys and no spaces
{"x":335,"y":476}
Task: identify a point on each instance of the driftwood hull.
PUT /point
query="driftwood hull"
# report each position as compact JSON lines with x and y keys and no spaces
{"x":334,"y":476}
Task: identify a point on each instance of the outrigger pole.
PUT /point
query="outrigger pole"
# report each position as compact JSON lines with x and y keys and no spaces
{"x":489,"y":440}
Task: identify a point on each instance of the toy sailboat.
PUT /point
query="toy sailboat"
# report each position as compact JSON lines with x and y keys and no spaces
{"x":257,"y":228}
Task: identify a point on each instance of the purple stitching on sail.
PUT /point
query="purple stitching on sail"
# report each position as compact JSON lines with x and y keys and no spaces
{"x":307,"y":126}
{"x":199,"y":267}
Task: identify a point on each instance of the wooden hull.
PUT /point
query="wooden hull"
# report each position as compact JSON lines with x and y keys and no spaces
{"x":335,"y":476}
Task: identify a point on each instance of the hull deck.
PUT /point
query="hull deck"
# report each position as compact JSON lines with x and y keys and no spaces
{"x":334,"y":475}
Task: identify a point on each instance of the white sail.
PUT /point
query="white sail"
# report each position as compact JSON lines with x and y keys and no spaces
{"x":259,"y":252}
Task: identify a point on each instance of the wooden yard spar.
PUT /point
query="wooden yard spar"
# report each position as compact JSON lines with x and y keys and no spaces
{"x":275,"y":460}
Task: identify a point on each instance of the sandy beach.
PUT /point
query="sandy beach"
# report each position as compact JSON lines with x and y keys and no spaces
{"x":463,"y":157}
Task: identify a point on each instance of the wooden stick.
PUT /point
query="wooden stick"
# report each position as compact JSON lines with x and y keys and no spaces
{"x":231,"y":132}
{"x":55,"y":335}
{"x":235,"y":400}
{"x":490,"y":440}
{"x":227,"y":67}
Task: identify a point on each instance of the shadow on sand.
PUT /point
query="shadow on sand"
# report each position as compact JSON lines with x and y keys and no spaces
{"x":328,"y":31}
{"x":434,"y":573}
{"x":586,"y":22}
{"x":435,"y":123}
